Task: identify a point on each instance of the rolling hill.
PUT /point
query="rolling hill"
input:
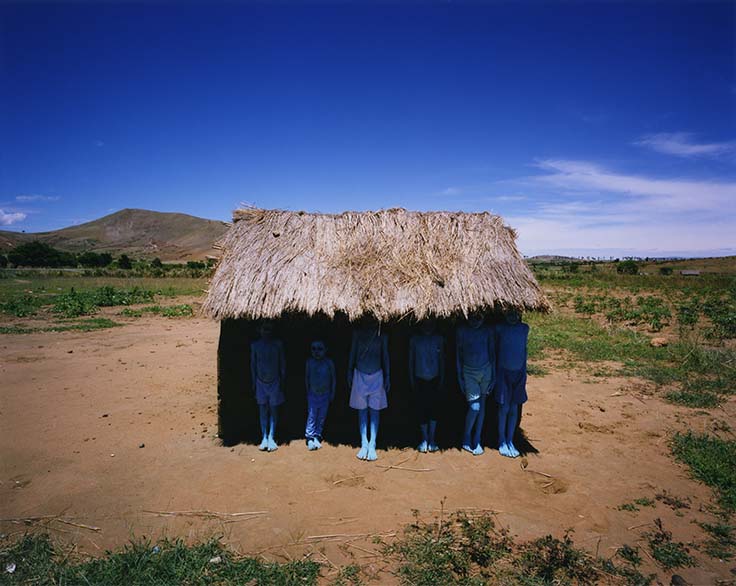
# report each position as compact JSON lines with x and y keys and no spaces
{"x":137,"y":233}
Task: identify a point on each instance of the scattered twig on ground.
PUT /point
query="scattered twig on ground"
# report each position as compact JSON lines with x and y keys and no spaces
{"x":346,"y":479}
{"x":536,"y":472}
{"x":211,"y":514}
{"x":392,"y":467}
{"x":368,"y":551}
{"x":80,"y":525}
{"x":48,"y":519}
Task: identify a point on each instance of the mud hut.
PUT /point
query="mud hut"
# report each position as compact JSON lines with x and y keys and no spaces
{"x":316,"y":273}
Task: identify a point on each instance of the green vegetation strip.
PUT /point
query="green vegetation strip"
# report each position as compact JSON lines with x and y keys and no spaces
{"x":462,"y":550}
{"x":36,"y":561}
{"x":86,"y":325}
{"x":712,"y":460}
{"x":704,"y":375}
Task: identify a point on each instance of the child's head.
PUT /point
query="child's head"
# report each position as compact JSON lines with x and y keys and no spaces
{"x":318,"y":349}
{"x":476,"y":319}
{"x":513,"y":317}
{"x":427,"y":326}
{"x":266,"y":328}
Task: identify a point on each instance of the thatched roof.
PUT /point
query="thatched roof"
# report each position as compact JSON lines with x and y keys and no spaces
{"x":390,"y":264}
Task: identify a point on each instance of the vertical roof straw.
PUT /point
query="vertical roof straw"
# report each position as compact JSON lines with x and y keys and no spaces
{"x":389,"y":264}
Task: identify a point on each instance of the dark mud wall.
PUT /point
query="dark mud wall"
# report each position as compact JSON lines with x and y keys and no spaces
{"x":238,"y":412}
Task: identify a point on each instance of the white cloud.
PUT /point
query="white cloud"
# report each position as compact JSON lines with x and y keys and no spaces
{"x":451,"y":191}
{"x":672,"y":195}
{"x":37,"y":198}
{"x":681,"y":144}
{"x":9,"y":218}
{"x":585,"y":207}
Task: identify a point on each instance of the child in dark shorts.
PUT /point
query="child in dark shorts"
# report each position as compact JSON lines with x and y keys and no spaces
{"x":427,"y":378}
{"x":510,"y":390}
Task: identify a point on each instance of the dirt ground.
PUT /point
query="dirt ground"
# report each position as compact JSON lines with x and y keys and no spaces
{"x":111,"y":429}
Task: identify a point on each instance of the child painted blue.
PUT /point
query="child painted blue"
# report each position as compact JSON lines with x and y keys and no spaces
{"x":369,"y":382}
{"x":268,"y":373}
{"x":510,"y":391}
{"x":427,"y":379}
{"x":319,"y":378}
{"x":476,"y":360}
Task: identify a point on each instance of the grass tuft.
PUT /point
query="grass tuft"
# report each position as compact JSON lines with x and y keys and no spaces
{"x":711,"y":461}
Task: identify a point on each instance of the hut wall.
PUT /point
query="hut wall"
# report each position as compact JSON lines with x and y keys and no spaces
{"x":238,"y":412}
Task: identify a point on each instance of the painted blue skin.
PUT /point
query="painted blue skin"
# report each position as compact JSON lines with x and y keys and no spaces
{"x":267,"y":363}
{"x":369,"y":353}
{"x":427,"y":361}
{"x":319,"y":378}
{"x":475,"y":347}
{"x":512,"y":355}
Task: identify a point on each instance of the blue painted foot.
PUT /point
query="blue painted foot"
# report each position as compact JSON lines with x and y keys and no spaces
{"x":504,"y":450}
{"x":263,"y":446}
{"x":311,"y":446}
{"x":478,"y":450}
{"x":363,"y":453}
{"x":317,"y":443}
{"x":513,"y":451}
{"x":372,"y":456}
{"x":467,"y":448}
{"x":433,"y":448}
{"x":272,"y":445}
{"x":422,"y":447}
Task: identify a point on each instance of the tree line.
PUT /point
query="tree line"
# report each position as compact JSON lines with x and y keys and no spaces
{"x":38,"y":254}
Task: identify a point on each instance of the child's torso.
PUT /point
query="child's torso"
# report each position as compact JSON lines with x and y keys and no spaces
{"x":320,"y":376}
{"x":427,"y":355}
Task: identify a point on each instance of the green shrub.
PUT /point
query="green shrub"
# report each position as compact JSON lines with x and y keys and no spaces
{"x":627,"y":267}
{"x":21,"y":306}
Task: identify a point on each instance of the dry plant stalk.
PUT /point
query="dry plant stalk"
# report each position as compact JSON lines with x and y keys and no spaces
{"x":389,"y":264}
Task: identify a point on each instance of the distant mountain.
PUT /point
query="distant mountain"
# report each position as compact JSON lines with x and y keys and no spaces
{"x":552,"y":258}
{"x":137,"y":233}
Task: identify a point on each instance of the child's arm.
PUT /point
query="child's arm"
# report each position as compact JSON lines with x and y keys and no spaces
{"x":253,"y":366}
{"x":441,"y":361}
{"x":385,"y":361}
{"x":412,"y":360}
{"x":492,"y":346}
{"x":459,"y":359}
{"x":282,"y":362}
{"x":333,"y":379}
{"x":306,"y":375}
{"x":351,"y":360}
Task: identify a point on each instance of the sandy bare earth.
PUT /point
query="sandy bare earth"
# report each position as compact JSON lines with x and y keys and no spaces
{"x":75,"y":407}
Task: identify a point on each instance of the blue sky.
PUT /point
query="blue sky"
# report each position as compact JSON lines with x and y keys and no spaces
{"x":593,"y":128}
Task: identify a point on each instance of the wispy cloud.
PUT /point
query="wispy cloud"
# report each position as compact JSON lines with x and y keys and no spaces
{"x":27,"y":198}
{"x":682,"y":144}
{"x":673,"y":195}
{"x":10,"y":218}
{"x":585,"y":206}
{"x":451,"y":191}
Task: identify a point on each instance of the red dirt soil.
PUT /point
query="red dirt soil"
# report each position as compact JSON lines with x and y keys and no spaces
{"x":76,"y":407}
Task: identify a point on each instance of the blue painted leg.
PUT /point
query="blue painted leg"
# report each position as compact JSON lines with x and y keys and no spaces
{"x":503,"y":416}
{"x":375,"y":417}
{"x":511,"y":428}
{"x":363,"y":427}
{"x":263,"y":414}
{"x":273,"y":420}
{"x":477,"y":448}
{"x":425,"y":439}
{"x":470,"y":417}
{"x":432,"y":443}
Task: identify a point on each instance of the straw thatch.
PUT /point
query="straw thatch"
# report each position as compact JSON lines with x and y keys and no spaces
{"x":390,"y":264}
